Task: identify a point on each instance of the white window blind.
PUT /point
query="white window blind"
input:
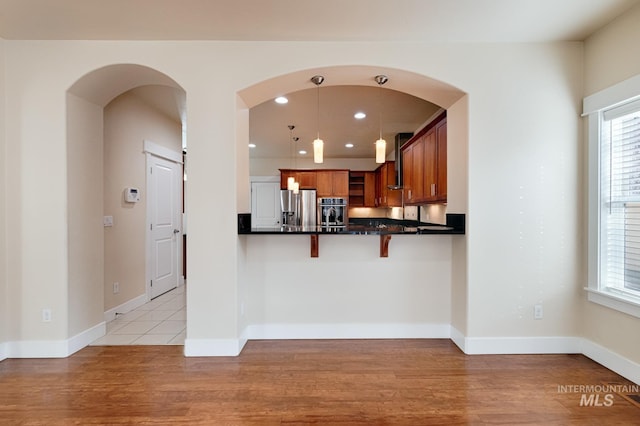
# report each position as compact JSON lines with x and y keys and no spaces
{"x":620,"y":197}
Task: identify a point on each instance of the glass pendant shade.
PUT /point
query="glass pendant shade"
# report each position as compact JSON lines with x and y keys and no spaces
{"x":290,"y":182}
{"x":318,"y":148}
{"x":381,"y":148}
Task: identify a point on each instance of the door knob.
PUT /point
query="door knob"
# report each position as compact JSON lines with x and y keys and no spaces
{"x":176,"y":231}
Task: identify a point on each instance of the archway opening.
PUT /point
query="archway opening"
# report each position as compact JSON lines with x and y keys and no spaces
{"x":111,"y":112}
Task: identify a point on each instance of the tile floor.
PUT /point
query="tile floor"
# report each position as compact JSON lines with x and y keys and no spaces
{"x":162,"y":321}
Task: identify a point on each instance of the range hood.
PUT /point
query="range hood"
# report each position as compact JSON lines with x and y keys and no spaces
{"x":401,"y":139}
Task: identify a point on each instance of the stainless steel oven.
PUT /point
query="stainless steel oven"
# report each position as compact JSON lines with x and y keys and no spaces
{"x":332,"y":212}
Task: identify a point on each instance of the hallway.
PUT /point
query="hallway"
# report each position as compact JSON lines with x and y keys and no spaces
{"x":161,"y":321}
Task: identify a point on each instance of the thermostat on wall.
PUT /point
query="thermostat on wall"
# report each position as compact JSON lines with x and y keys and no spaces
{"x":131,"y":195}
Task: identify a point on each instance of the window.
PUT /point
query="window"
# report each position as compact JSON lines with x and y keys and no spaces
{"x":614,"y":197}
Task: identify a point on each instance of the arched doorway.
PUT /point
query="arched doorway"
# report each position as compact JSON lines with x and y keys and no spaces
{"x":448,"y":97}
{"x":111,"y":112}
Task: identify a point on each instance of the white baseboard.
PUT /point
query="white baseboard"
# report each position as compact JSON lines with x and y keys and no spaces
{"x":52,"y":348}
{"x":85,"y":338}
{"x":3,"y":351}
{"x":613,"y":361}
{"x":127,"y":306}
{"x":458,"y":338}
{"x":213,"y":347}
{"x":348,"y":331}
{"x":522,"y":345}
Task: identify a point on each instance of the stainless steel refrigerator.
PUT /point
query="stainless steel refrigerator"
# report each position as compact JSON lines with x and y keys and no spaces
{"x":298,"y":210}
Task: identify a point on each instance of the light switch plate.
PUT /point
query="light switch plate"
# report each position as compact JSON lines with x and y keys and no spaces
{"x":107,"y":221}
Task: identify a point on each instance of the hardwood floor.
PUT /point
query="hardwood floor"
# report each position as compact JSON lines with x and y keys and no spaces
{"x":368,"y":382}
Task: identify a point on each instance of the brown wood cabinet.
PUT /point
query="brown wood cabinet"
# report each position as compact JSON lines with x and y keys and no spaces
{"x":332,"y":183}
{"x":425,"y":164}
{"x":306,"y":178}
{"x":362,"y":189}
{"x":385,"y":176}
{"x":327,"y":183}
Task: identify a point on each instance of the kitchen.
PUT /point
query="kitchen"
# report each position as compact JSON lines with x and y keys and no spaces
{"x":353,"y":186}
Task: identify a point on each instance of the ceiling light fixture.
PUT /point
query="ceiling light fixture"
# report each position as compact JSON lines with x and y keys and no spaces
{"x":348,"y":145}
{"x":381,"y":144}
{"x":252,"y":145}
{"x":281,"y":100}
{"x":318,"y":144}
{"x":359,"y":115}
{"x":292,"y":185}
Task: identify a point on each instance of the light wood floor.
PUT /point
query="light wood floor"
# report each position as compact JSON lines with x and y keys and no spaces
{"x":368,"y":382}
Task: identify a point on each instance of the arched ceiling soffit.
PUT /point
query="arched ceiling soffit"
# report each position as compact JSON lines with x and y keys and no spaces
{"x":418,"y":85}
{"x":102,"y":85}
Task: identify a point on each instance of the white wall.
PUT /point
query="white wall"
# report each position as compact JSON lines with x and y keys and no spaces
{"x":522,"y":245}
{"x":524,"y":190}
{"x":128,"y":121}
{"x":608,"y":61}
{"x":349,"y":290}
{"x":86,"y":236}
{"x":3,"y":245}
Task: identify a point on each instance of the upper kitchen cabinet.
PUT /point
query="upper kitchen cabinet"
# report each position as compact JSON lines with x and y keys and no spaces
{"x":306,"y":178}
{"x":385,"y":177}
{"x":425,"y":164}
{"x":362,"y":189}
{"x":327,"y":183}
{"x":332,"y":183}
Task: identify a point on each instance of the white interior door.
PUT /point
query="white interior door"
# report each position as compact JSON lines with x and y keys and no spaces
{"x":165,"y":208}
{"x":265,"y":204}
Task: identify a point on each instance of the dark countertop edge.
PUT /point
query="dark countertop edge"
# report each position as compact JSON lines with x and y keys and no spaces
{"x":455,"y":226}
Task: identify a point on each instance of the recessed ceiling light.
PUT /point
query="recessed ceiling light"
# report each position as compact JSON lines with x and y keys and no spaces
{"x":359,"y":115}
{"x":252,"y":145}
{"x":281,"y":100}
{"x":349,"y":145}
{"x":302,"y":152}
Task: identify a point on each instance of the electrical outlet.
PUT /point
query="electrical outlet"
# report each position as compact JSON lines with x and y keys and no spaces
{"x":46,"y":315}
{"x":537,"y":312}
{"x":116,"y":288}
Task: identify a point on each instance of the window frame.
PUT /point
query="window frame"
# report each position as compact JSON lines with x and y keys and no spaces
{"x":593,"y":108}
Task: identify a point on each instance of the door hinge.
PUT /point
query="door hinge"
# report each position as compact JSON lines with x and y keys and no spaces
{"x":151,"y":283}
{"x":151,"y":170}
{"x":151,"y":227}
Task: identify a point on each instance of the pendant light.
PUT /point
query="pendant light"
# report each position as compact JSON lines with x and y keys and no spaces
{"x":318,"y":144}
{"x":381,"y":144}
{"x":292,"y":185}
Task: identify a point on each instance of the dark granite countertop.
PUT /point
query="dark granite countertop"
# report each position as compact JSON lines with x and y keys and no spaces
{"x":370,"y":226}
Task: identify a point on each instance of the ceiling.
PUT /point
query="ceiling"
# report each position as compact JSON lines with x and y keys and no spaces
{"x":330,"y":20}
{"x":298,"y":20}
{"x":390,"y":110}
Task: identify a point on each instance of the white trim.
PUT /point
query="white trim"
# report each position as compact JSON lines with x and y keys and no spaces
{"x":3,"y":351}
{"x":348,"y":331}
{"x":521,"y":345}
{"x":53,"y":348}
{"x":149,"y":147}
{"x":86,"y":337}
{"x":619,"y":93}
{"x":614,"y":301}
{"x":613,"y":361}
{"x":38,"y":349}
{"x":213,"y":347}
{"x":125,"y":307}
{"x":458,"y":338}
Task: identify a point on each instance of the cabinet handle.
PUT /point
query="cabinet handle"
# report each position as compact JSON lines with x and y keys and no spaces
{"x":409,"y":194}
{"x":433,"y":189}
